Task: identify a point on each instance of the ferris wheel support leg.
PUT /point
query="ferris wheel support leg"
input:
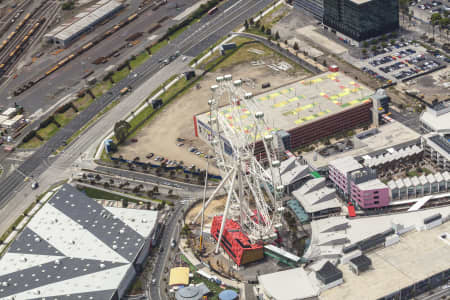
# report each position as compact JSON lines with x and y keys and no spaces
{"x":227,"y":206}
{"x":221,"y":184}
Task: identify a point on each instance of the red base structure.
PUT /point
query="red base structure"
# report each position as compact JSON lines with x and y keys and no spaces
{"x":236,"y":243}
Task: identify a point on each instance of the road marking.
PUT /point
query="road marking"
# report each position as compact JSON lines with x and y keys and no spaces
{"x":231,"y":6}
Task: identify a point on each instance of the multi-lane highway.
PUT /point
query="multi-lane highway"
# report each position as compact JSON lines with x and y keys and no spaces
{"x":191,"y":42}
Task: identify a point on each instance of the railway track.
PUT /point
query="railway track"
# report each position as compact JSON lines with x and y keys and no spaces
{"x":17,"y":41}
{"x":85,"y":48}
{"x":11,"y":17}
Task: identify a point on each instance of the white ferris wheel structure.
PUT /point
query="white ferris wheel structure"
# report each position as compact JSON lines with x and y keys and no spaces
{"x":254,"y":192}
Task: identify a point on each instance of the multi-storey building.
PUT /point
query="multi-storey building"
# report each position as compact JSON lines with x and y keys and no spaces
{"x":314,"y":7}
{"x":358,"y":184}
{"x":339,"y":170}
{"x":419,"y":186}
{"x":305,"y":111}
{"x":436,"y":118}
{"x":370,"y":194}
{"x":360,"y":20}
{"x":437,"y":150}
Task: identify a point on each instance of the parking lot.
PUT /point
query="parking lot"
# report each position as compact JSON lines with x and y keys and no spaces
{"x":424,"y":9}
{"x":399,"y":61}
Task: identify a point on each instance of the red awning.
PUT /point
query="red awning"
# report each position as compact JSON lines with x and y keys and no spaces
{"x":351,"y":211}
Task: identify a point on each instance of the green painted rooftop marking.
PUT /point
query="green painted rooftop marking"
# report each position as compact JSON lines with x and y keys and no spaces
{"x":315,"y":174}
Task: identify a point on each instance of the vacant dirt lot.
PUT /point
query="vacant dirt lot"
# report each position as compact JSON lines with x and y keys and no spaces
{"x":176,"y":121}
{"x":215,"y":208}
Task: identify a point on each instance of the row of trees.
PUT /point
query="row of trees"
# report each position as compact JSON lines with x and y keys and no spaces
{"x":440,"y":21}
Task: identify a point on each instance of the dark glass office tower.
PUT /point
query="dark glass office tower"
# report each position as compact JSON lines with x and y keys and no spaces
{"x":314,"y":7}
{"x":361,"y":19}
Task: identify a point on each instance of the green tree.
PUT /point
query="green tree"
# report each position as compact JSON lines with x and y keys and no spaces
{"x":434,"y":21}
{"x":365,"y":44}
{"x":268,"y":31}
{"x":121,"y":129}
{"x":443,"y":24}
{"x":68,"y":5}
{"x":296,"y":46}
{"x":277,"y":36}
{"x":263,"y":29}
{"x":246,"y":24}
{"x":403,"y":6}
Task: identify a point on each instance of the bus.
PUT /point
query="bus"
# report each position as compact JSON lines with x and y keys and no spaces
{"x":212,"y":10}
{"x":124,"y":90}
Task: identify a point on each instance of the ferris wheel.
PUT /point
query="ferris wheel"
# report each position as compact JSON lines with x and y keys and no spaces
{"x":253,"y":192}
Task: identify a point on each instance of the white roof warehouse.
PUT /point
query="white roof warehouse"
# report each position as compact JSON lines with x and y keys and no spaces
{"x":74,"y":248}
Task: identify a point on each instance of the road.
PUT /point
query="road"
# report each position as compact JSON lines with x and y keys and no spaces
{"x":407,"y":118}
{"x":48,"y":170}
{"x":148,"y":178}
{"x":68,"y":79}
{"x":193,"y":41}
{"x":171,"y":231}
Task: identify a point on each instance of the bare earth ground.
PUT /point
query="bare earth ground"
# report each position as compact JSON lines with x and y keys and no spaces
{"x":214,"y":208}
{"x":432,"y":86}
{"x":176,"y":120}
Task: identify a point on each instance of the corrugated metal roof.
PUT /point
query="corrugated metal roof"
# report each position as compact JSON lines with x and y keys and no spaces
{"x":84,"y":19}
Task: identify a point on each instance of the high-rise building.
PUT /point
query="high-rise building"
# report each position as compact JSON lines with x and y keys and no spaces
{"x":314,"y":7}
{"x":360,"y":20}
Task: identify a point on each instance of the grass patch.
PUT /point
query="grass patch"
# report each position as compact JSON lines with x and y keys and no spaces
{"x":64,"y":118}
{"x":47,"y":132}
{"x":418,"y":172}
{"x":99,"y":194}
{"x":242,"y":55}
{"x":256,"y":31}
{"x":83,"y":102}
{"x":192,"y":268}
{"x":101,"y":88}
{"x":34,"y":142}
{"x":140,"y":59}
{"x":269,"y":20}
{"x":11,"y":228}
{"x":161,"y":86}
{"x":119,"y":75}
{"x":79,"y":131}
{"x":239,"y":40}
{"x":155,"y":48}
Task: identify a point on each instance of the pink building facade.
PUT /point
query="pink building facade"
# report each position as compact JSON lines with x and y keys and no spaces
{"x":358,"y":184}
{"x":370,"y":194}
